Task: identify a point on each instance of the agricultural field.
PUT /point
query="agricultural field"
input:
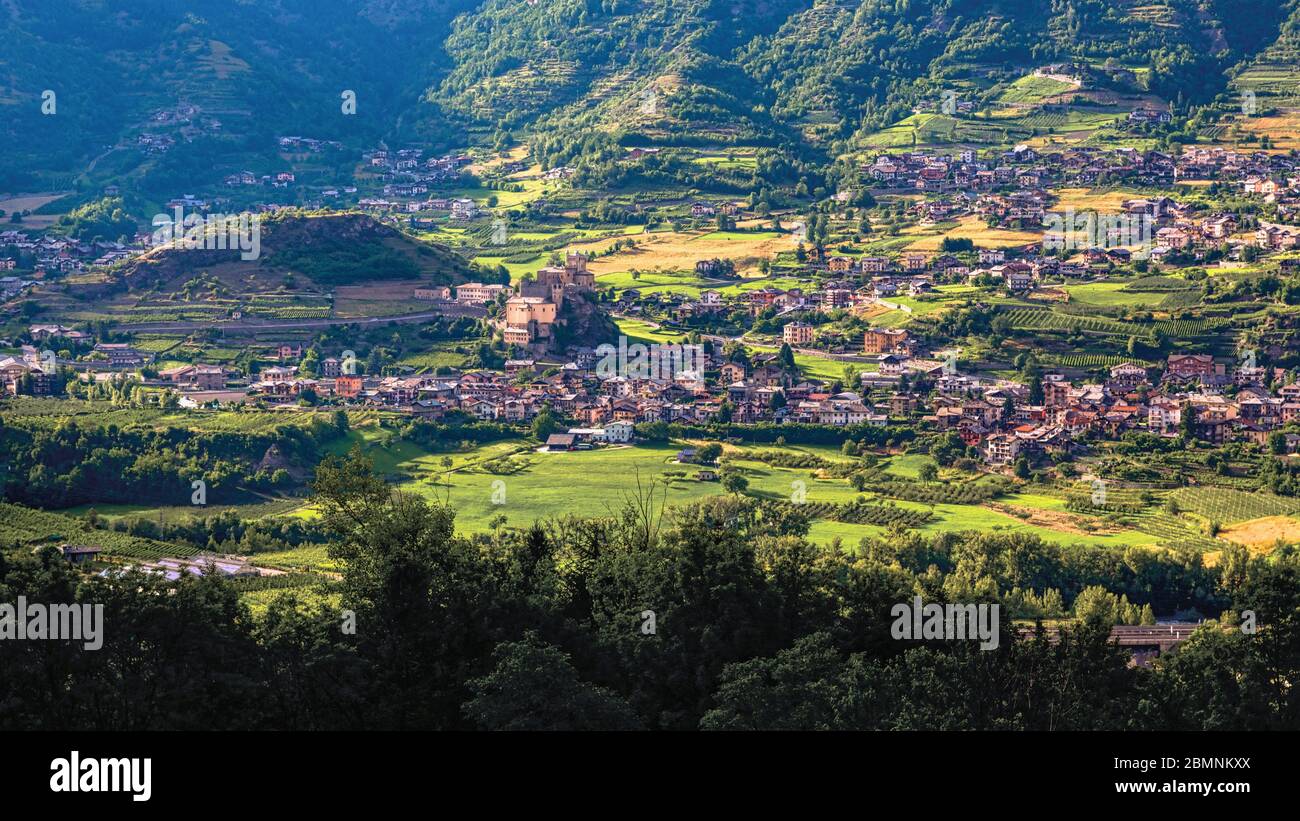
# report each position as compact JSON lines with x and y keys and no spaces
{"x":1282,"y":129}
{"x":657,"y":281}
{"x":516,"y":480}
{"x":1264,"y":533}
{"x":1042,"y":319}
{"x":1034,"y":89}
{"x":974,"y":229}
{"x":35,"y":527}
{"x":41,"y":216}
{"x":1101,"y":200}
{"x":1233,"y":506}
{"x":1114,"y":294}
{"x":680,"y":251}
{"x":1014,"y":121}
{"x":440,"y":356}
{"x":816,"y":366}
{"x":646,"y":332}
{"x":52,"y":413}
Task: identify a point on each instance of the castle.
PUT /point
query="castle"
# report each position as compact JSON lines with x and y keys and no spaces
{"x":531,"y":315}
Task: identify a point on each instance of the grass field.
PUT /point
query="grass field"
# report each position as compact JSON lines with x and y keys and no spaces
{"x":1112,"y":294}
{"x":674,"y":251}
{"x":653,"y":282}
{"x":638,"y":331}
{"x":1103,"y":201}
{"x":598,"y":482}
{"x":1031,"y":89}
{"x":974,"y":229}
{"x":1282,"y":129}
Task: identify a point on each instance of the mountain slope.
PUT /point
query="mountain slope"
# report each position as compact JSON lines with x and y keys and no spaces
{"x":803,"y":80}
{"x":252,"y":70}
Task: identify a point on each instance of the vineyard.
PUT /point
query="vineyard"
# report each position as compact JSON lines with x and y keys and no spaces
{"x":1171,"y":531}
{"x":282,"y":581}
{"x":1229,"y":506}
{"x":941,"y":493}
{"x":1159,"y":284}
{"x":30,"y":527}
{"x":786,"y":459}
{"x":859,"y":512}
{"x":1039,"y":319}
{"x":1177,"y":300}
{"x":1096,"y":360}
{"x":1104,"y":497}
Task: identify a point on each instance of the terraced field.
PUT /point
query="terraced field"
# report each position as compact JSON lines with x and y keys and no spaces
{"x":1230,"y":506}
{"x":37,"y":527}
{"x":1039,"y":319}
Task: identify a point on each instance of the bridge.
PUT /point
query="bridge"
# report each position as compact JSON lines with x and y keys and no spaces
{"x":1143,"y":641}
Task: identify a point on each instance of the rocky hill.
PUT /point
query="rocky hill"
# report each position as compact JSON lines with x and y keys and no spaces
{"x":325,"y":249}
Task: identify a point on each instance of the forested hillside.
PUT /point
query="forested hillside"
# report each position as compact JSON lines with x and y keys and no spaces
{"x":257,"y":69}
{"x":581,"y":79}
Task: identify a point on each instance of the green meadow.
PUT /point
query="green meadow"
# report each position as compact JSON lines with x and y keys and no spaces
{"x":536,"y":485}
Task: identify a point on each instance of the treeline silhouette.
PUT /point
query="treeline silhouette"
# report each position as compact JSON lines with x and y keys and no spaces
{"x":718,"y":615}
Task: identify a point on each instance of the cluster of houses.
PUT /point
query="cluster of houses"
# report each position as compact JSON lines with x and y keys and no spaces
{"x":994,"y":415}
{"x":32,"y":371}
{"x":409,"y":166}
{"x":282,"y":179}
{"x":307,"y":145}
{"x":1011,"y":189}
{"x":458,"y":209}
{"x":47,"y":253}
{"x":1190,"y":396}
{"x":25,"y":373}
{"x":1214,"y":400}
{"x":1021,"y":168}
{"x":184,"y":120}
{"x":405,"y":174}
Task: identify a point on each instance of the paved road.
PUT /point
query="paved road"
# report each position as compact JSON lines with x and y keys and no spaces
{"x":252,"y":326}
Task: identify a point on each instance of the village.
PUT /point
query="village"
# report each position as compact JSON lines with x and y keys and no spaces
{"x":899,"y":377}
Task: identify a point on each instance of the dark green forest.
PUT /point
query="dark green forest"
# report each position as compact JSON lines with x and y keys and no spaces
{"x":754,"y":627}
{"x":578,"y":79}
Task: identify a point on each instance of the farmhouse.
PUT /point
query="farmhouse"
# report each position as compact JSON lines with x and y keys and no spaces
{"x":797,"y":333}
{"x":476,"y":293}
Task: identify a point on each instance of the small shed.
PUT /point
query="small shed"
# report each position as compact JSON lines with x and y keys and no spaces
{"x":79,"y":554}
{"x":560,"y":441}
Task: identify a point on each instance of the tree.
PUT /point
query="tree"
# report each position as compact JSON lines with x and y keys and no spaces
{"x":786,"y":357}
{"x":1097,"y":605}
{"x":928,"y":473}
{"x":1022,"y":468}
{"x":544,"y":424}
{"x":426,"y":603}
{"x":1277,"y":443}
{"x":733,"y":482}
{"x":1187,"y":423}
{"x":534,"y":686}
{"x":797,"y":688}
{"x":1035,"y":389}
{"x":708,"y":454}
